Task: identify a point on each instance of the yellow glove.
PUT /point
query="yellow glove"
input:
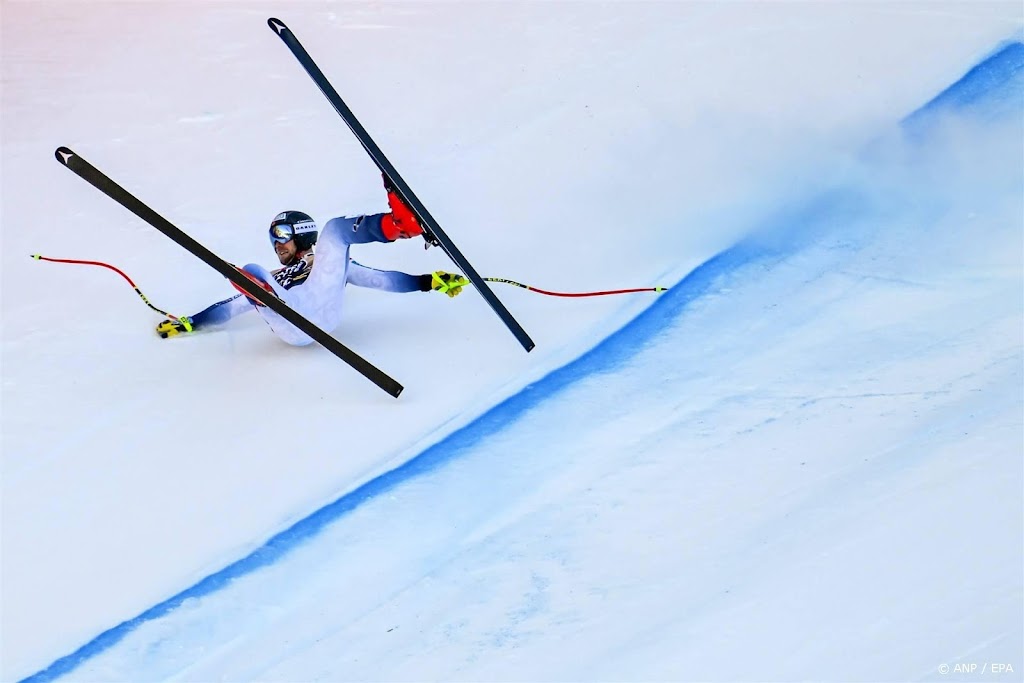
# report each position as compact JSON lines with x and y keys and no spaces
{"x":170,"y":328}
{"x":447,"y":283}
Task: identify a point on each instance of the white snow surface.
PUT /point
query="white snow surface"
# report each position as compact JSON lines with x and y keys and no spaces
{"x":804,"y":462}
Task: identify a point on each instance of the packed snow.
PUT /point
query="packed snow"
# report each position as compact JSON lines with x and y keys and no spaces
{"x":805,"y":461}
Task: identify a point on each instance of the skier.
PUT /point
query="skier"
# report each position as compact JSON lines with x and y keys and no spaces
{"x":316,"y":292}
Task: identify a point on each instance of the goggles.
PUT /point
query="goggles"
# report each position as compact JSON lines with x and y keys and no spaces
{"x":281,"y":233}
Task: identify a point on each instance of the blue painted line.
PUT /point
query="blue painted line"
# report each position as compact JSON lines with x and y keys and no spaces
{"x":993,"y":83}
{"x":992,"y":88}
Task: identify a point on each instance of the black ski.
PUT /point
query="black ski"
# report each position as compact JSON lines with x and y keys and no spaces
{"x":426,"y":220}
{"x":94,"y":177}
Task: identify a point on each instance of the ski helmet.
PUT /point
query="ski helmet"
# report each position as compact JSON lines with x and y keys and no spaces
{"x":294,"y":225}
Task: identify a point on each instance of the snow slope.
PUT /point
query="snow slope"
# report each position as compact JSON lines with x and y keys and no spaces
{"x":781,"y":447}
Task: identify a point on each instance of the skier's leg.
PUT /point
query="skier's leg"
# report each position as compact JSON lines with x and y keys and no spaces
{"x":359,"y":230}
{"x":297,"y":298}
{"x":400,"y":223}
{"x":380,"y":227}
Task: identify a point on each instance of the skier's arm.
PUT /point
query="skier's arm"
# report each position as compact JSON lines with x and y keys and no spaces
{"x":221,"y":312}
{"x":394,"y":281}
{"x":217,"y":314}
{"x":387,"y":280}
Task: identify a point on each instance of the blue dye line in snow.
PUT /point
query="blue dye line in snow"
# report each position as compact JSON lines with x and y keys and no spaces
{"x":996,"y":84}
{"x":992,"y":88}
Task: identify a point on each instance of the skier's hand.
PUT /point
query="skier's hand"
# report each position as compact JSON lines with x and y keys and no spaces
{"x":170,"y":328}
{"x":447,"y":283}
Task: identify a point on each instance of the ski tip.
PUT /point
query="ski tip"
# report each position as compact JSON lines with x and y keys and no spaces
{"x":277,"y":25}
{"x":63,"y":154}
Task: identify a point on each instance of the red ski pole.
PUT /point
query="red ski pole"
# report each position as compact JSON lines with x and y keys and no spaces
{"x":182,"y":319}
{"x":576,"y":294}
